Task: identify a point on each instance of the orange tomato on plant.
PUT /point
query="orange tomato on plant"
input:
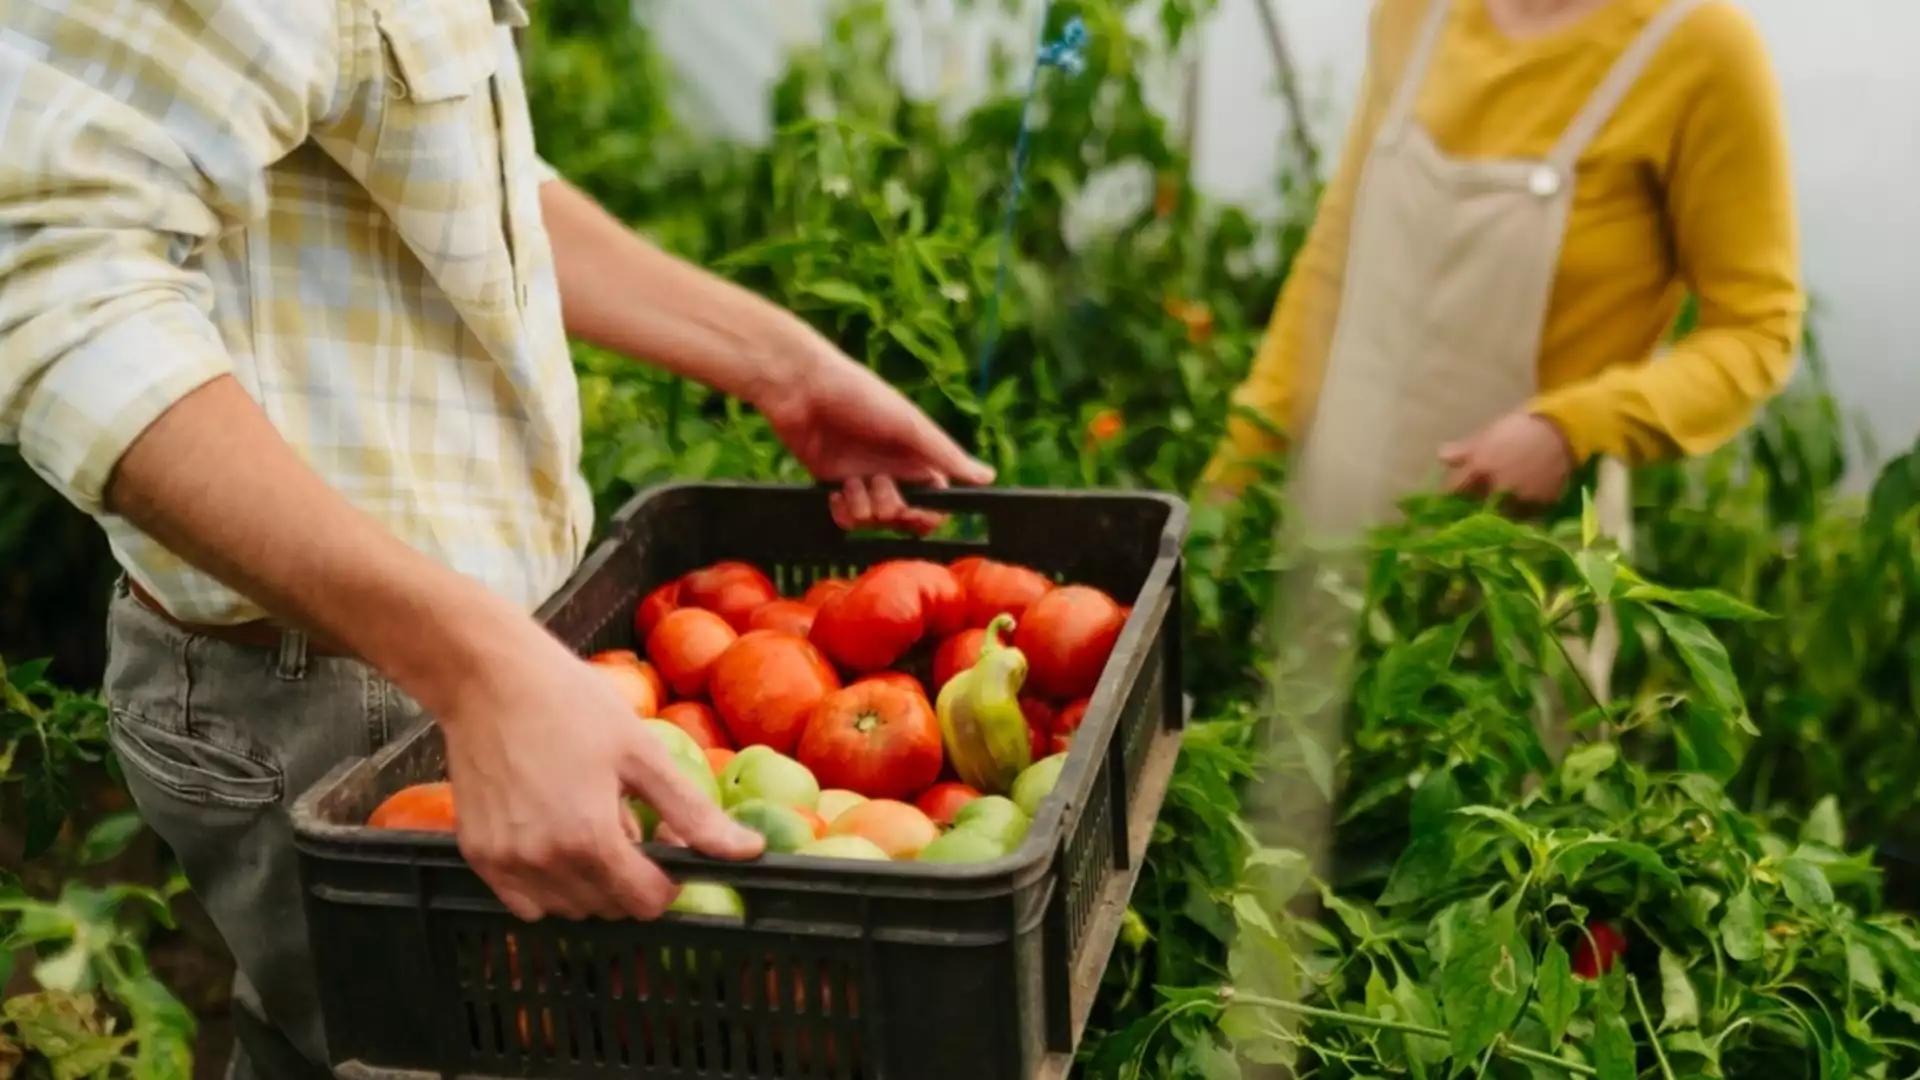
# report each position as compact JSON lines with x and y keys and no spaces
{"x":1067,"y":636}
{"x":874,"y":737}
{"x":765,"y":687}
{"x":731,"y":589}
{"x":685,"y":645}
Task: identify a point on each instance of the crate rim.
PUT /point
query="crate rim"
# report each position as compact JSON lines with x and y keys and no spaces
{"x":1026,"y":863}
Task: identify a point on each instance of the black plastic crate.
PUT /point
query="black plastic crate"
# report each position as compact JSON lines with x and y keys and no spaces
{"x":848,"y":970}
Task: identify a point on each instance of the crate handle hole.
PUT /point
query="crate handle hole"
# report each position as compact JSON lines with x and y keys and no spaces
{"x":959,"y":528}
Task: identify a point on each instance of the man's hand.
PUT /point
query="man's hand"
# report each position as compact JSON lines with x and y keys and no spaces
{"x":843,"y":422}
{"x":540,"y":748}
{"x":1519,"y":455}
{"x":840,"y":420}
{"x":542,"y":752}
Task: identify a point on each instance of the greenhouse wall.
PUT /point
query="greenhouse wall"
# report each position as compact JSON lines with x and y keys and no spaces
{"x":1852,"y":92}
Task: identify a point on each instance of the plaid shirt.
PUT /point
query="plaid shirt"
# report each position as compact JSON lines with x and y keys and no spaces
{"x":334,"y":201}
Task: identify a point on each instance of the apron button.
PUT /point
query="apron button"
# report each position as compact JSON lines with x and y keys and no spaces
{"x":1545,"y":181}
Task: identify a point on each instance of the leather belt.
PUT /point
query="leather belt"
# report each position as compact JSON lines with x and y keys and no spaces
{"x":257,"y":634}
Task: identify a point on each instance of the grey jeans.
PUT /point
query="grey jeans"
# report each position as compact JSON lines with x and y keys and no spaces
{"x":216,"y":741}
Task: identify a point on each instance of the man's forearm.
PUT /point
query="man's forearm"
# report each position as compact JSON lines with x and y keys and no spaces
{"x":216,"y":484}
{"x":620,"y":292}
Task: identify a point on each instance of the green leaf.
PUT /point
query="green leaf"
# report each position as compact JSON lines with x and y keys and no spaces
{"x":1480,"y":532}
{"x":1704,"y":603}
{"x":1424,"y":868}
{"x":1705,"y":658}
{"x":838,"y":292}
{"x":1417,"y":1007}
{"x":1597,"y":568}
{"x":1806,"y":885}
{"x":1521,"y":831}
{"x":1824,"y":825}
{"x":1742,"y":929}
{"x":1558,"y":996}
{"x":1613,"y":1051}
{"x":1409,"y":670}
{"x":1680,"y":1005}
{"x":1863,"y":970}
{"x":1584,"y":764}
{"x":110,"y":836}
{"x":1486,"y":980}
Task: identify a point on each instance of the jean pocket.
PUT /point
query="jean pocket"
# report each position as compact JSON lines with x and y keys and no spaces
{"x":194,"y":769}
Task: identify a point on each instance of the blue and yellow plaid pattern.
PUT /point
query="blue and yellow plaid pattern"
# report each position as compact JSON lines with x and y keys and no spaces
{"x":336,"y":202}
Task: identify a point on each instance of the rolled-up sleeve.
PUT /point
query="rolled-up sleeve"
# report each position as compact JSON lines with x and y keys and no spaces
{"x":136,"y":134}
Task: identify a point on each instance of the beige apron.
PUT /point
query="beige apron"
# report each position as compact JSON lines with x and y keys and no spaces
{"x":1449,"y":276}
{"x":1448,"y":280}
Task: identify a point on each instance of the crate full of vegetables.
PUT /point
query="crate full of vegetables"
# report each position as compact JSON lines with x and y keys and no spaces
{"x":955,"y":748}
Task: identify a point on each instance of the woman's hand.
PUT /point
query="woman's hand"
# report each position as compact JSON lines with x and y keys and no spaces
{"x":1521,"y":455}
{"x":843,"y":422}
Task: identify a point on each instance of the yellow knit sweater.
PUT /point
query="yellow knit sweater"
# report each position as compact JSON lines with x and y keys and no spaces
{"x":1687,"y":188}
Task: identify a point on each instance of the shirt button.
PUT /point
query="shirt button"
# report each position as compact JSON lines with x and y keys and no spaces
{"x":1545,"y":181}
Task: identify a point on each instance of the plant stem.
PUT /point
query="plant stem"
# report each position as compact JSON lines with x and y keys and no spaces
{"x":1646,"y":1021}
{"x":1500,"y":1047}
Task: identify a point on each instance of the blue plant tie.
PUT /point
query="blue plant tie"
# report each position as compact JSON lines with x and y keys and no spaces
{"x":1068,"y":53}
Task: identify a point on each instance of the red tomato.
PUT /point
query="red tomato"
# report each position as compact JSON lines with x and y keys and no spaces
{"x":731,"y":590}
{"x":631,"y":659}
{"x":997,"y":588}
{"x":717,"y":760}
{"x":419,"y":808}
{"x":635,"y":688}
{"x":875,"y":738}
{"x":941,"y":801}
{"x":1597,"y":949}
{"x":791,"y":616}
{"x":685,"y":645}
{"x":654,"y":608}
{"x":1040,"y":721}
{"x":1067,"y":636}
{"x":824,"y":590}
{"x":1065,"y":724}
{"x":698,"y":721}
{"x":886,"y":612}
{"x":896,"y":678}
{"x":957,"y":654}
{"x":766,"y":685}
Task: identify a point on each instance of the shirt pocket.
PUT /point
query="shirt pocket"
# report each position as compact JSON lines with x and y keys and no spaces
{"x":437,"y":166}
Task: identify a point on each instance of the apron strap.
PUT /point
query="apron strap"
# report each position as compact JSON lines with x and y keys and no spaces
{"x":1618,"y":83}
{"x":1413,"y":74}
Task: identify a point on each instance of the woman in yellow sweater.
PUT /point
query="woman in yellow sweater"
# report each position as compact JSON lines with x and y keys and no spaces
{"x":1528,"y":191}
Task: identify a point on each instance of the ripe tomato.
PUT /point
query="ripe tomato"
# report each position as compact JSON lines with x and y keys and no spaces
{"x":874,"y":737}
{"x":1065,"y":724}
{"x":417,"y":808}
{"x":1597,"y":949}
{"x":997,"y":588}
{"x":698,"y":721}
{"x":896,"y":678}
{"x":791,"y":616}
{"x":718,"y":758}
{"x":941,"y":801}
{"x":824,"y":590}
{"x":766,"y":685}
{"x":814,"y":821}
{"x":957,"y":654}
{"x":896,"y":828}
{"x":635,"y":688}
{"x":887,"y":611}
{"x":685,"y":645}
{"x":1040,"y":720}
{"x":655,"y":607}
{"x":1067,"y":636}
{"x":731,"y":590}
